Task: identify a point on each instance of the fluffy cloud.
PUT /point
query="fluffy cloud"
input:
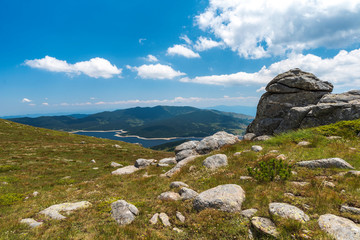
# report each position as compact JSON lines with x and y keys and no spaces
{"x":342,"y":70}
{"x":203,"y":44}
{"x":95,"y":67}
{"x":151,"y":58}
{"x":186,"y":39}
{"x":262,"y":28}
{"x":181,"y":50}
{"x":156,"y":71}
{"x":26,"y":100}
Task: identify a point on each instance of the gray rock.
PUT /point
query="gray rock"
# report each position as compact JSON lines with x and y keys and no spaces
{"x":352,"y":210}
{"x":288,"y":211}
{"x":165,"y":219}
{"x":154,"y":219}
{"x":169,"y":196}
{"x":169,"y":161}
{"x":249,"y":136}
{"x":124,"y":213}
{"x":187,"y":193}
{"x":303,"y":143}
{"x":216,"y":161}
{"x":358,"y":134}
{"x":180,"y":216}
{"x":185,"y":154}
{"x":31,"y":222}
{"x":353,"y":173}
{"x":54,"y":210}
{"x":114,"y":164}
{"x":125,"y":170}
{"x":179,"y":165}
{"x":142,"y":163}
{"x":249,"y":212}
{"x":93,"y":161}
{"x":162,"y":165}
{"x":228,"y":198}
{"x":333,"y":137}
{"x":338,"y":227}
{"x":35,"y":193}
{"x":299,"y":184}
{"x":177,"y":184}
{"x":256,"y":148}
{"x":264,"y":225}
{"x":215,"y":142}
{"x":328,"y":184}
{"x":186,"y":146}
{"x":326,"y":163}
{"x":261,"y":138}
{"x":177,"y":230}
{"x":246,"y":178}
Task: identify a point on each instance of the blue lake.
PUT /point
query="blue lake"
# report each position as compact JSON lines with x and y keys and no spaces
{"x":145,"y":142}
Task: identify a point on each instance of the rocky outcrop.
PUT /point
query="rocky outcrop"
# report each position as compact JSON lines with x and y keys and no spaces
{"x":31,"y":222}
{"x":286,"y":210}
{"x":297,"y":99}
{"x":216,"y":161}
{"x":326,"y":163}
{"x":125,"y":170}
{"x":228,"y":198}
{"x":54,"y":210}
{"x":187,"y":193}
{"x":169,"y":196}
{"x":123,"y":213}
{"x":215,"y":141}
{"x":338,"y":227}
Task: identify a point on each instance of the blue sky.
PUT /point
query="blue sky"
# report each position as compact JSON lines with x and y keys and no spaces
{"x":88,"y":56}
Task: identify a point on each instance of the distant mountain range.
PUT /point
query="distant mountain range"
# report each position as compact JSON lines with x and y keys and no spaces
{"x":159,"y":121}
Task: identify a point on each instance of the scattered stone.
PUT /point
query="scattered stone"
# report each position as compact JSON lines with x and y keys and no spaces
{"x":288,"y":211}
{"x":185,"y":154}
{"x":352,"y":210}
{"x":169,"y":196}
{"x":123,"y":213}
{"x":281,"y":157}
{"x":82,"y":142}
{"x":334,"y":137}
{"x":31,"y":222}
{"x":178,"y":184}
{"x":169,"y":161}
{"x":256,"y":148}
{"x":4,"y":183}
{"x":93,"y":161}
{"x":142,"y":163}
{"x":274,"y":151}
{"x":249,"y":136}
{"x":185,"y":150}
{"x":246,"y":178}
{"x":216,"y":161}
{"x":338,"y":227}
{"x":66,"y":177}
{"x":125,"y":170}
{"x":117,"y":146}
{"x":95,"y":168}
{"x":249,"y":212}
{"x":54,"y":210}
{"x":187,"y":193}
{"x":180,"y":216}
{"x":165,"y":219}
{"x":303,"y":143}
{"x":179,"y":165}
{"x":215,"y":142}
{"x":328,"y":184}
{"x":35,"y":193}
{"x":352,"y":149}
{"x":154,"y":219}
{"x":237,"y":154}
{"x":353,"y":173}
{"x":114,"y":164}
{"x":300,"y":184}
{"x":261,"y":138}
{"x":326,"y":163}
{"x":163,"y":165}
{"x":294,"y":173}
{"x":177,"y":230}
{"x":289,"y":195}
{"x":264,"y":225}
{"x":228,"y":198}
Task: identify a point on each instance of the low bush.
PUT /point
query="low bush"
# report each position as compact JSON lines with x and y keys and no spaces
{"x":270,"y":170}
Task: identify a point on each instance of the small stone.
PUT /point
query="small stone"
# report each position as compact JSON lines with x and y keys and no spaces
{"x":165,"y":219}
{"x":177,"y":230}
{"x":300,"y":184}
{"x":93,"y":161}
{"x":289,"y":195}
{"x":352,"y":210}
{"x":169,"y":161}
{"x":249,"y":212}
{"x":124,"y":213}
{"x":256,"y":148}
{"x":187,"y":193}
{"x":142,"y":163}
{"x":178,"y":184}
{"x":154,"y":218}
{"x":4,"y":183}
{"x":329,"y":184}
{"x":265,"y":225}
{"x":114,"y":164}
{"x":35,"y":193}
{"x":261,"y":138}
{"x":246,"y":178}
{"x":82,"y":142}
{"x":338,"y":227}
{"x":237,"y":154}
{"x":95,"y":168}
{"x":116,"y":146}
{"x":353,"y":173}
{"x":180,"y":216}
{"x":125,"y":170}
{"x":31,"y":222}
{"x":352,"y":149}
{"x":294,"y":173}
{"x":162,"y":165}
{"x":54,"y":210}
{"x":249,"y":136}
{"x":274,"y":151}
{"x":216,"y":161}
{"x":286,"y":210}
{"x":333,"y":137}
{"x":169,"y":196}
{"x":281,"y":157}
{"x":303,"y":143}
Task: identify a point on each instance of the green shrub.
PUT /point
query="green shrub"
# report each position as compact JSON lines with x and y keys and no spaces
{"x":268,"y":170}
{"x":10,"y":198}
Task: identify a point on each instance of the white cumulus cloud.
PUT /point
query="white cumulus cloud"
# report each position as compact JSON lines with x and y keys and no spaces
{"x":182,"y":50}
{"x":203,"y":44}
{"x":151,"y":58}
{"x":343,"y":70}
{"x":95,"y":67}
{"x":262,"y":28}
{"x":156,"y":71}
{"x":26,"y":100}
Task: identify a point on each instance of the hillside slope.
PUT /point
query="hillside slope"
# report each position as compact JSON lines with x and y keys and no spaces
{"x":159,"y":121}
{"x":58,"y":166}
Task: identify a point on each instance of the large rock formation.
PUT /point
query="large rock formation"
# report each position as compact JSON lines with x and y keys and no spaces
{"x":297,"y":99}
